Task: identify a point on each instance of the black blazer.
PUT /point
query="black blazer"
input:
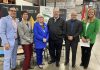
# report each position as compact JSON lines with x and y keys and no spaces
{"x":77,"y":28}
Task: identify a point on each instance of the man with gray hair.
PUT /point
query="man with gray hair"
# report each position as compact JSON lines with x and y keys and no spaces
{"x":56,"y":31}
{"x":72,"y":32}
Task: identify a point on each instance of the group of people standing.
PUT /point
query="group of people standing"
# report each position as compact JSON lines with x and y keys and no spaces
{"x":53,"y":32}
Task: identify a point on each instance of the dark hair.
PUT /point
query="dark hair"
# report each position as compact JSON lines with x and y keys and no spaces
{"x":0,"y":7}
{"x":22,"y":12}
{"x":11,"y":7}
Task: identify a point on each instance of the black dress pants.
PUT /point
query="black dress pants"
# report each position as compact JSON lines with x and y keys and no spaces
{"x":73,"y":46}
{"x":86,"y":54}
{"x":55,"y":47}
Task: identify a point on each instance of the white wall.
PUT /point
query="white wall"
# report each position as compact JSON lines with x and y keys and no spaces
{"x":22,"y":2}
{"x":79,"y":2}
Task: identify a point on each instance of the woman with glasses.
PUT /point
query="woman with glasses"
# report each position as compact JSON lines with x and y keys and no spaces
{"x":40,"y":38}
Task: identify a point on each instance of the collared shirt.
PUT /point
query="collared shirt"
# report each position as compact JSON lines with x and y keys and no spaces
{"x":25,"y":22}
{"x":55,"y":19}
{"x":14,"y":23}
{"x":72,"y":25}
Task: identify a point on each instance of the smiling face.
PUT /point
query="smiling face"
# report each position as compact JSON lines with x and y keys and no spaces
{"x":74,"y":15}
{"x":56,"y":13}
{"x":12,"y":12}
{"x":25,"y":16}
{"x":40,"y":18}
{"x":91,"y":13}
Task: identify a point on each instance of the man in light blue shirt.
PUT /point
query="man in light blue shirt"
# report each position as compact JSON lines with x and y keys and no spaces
{"x":8,"y":34}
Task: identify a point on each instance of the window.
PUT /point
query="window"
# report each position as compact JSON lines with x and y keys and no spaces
{"x":8,"y":1}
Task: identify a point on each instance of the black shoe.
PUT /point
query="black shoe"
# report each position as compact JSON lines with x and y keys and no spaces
{"x":66,"y":63}
{"x":73,"y":66}
{"x":57,"y":64}
{"x":13,"y":69}
{"x":50,"y":62}
{"x":85,"y":67}
{"x":81,"y":64}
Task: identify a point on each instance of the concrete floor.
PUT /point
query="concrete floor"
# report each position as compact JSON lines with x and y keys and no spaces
{"x":94,"y":62}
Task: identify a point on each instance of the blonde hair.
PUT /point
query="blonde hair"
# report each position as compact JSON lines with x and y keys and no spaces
{"x":39,"y":15}
{"x":86,"y":19}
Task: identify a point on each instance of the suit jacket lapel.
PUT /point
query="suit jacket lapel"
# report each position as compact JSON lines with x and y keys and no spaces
{"x":69,"y":25}
{"x":10,"y":22}
{"x":29,"y":26}
{"x":25,"y":27}
{"x":74,"y":25}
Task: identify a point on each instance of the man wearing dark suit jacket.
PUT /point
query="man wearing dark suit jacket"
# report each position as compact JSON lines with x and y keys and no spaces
{"x":73,"y":30}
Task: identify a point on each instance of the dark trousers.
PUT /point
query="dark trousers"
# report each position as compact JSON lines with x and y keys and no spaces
{"x":39,"y":56}
{"x":73,"y":46}
{"x":55,"y":49}
{"x":86,"y":53}
{"x":28,"y":51}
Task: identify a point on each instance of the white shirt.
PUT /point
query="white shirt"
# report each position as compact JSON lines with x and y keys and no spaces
{"x":87,"y":24}
{"x":14,"y":23}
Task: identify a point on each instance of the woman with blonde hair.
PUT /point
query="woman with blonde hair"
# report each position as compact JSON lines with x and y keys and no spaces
{"x":89,"y":32}
{"x":40,"y":38}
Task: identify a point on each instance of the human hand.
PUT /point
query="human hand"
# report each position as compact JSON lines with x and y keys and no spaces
{"x":7,"y":46}
{"x":84,"y":40}
{"x":44,"y":39}
{"x":70,"y":38}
